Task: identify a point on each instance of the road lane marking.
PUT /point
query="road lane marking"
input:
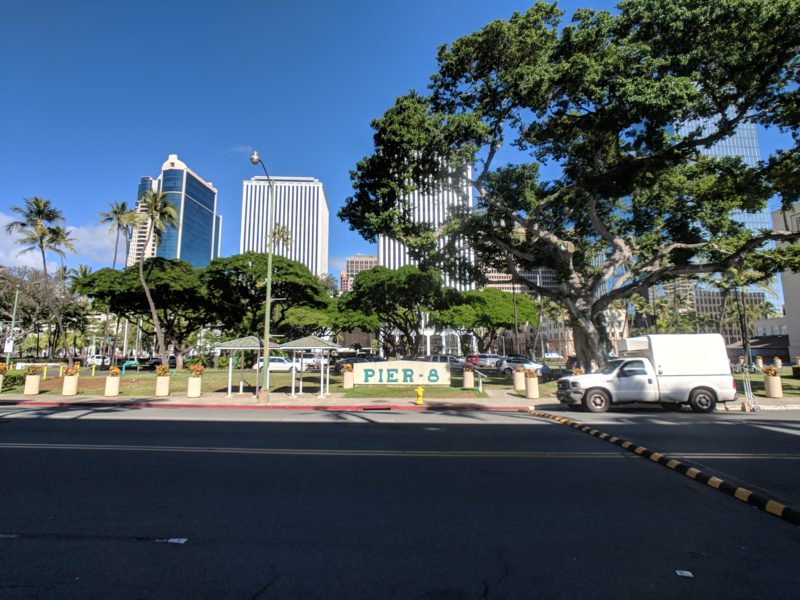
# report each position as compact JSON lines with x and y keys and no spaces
{"x":773,"y":507}
{"x":313,"y":452}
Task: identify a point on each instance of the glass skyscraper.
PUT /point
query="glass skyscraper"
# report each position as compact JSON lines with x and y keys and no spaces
{"x":744,"y":144}
{"x":196,"y":239}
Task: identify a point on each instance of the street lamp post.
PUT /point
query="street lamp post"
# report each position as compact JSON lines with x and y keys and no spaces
{"x":10,"y":338}
{"x":264,"y":394}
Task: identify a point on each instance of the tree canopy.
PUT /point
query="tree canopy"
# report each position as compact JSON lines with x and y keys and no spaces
{"x":600,"y":124}
{"x":485,"y":313}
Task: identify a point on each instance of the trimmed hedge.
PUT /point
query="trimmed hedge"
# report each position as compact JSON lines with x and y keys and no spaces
{"x":13,"y":379}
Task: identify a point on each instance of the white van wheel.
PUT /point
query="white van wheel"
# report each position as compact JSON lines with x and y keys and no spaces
{"x":702,"y":400}
{"x":597,"y":401}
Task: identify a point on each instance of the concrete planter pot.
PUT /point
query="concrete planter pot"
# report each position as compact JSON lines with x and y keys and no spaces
{"x":195,"y":387}
{"x":162,"y":386}
{"x":519,"y":380}
{"x":772,"y":386}
{"x":70,"y":385}
{"x":469,"y":380}
{"x":778,"y":363}
{"x":2,"y":377}
{"x":531,"y":388}
{"x":347,"y":380}
{"x":760,"y":362}
{"x":112,"y":386}
{"x":32,"y":385}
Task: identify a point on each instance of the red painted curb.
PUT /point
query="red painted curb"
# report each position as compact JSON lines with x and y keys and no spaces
{"x":295,"y":407}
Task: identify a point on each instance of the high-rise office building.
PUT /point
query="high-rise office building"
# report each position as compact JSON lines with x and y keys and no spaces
{"x":196,"y":239}
{"x":300,"y":206}
{"x":353,"y":266}
{"x":744,"y":144}
{"x":433,"y":209}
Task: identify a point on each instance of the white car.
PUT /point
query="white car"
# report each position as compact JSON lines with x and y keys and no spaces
{"x":99,"y":360}
{"x":553,"y":356}
{"x":509,"y":365}
{"x":276,"y":363}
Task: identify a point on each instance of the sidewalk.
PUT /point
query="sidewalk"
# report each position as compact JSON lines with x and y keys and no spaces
{"x":497,"y":400}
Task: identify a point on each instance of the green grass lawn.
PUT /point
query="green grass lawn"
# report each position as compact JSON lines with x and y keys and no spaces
{"x":143,"y":384}
{"x":791,"y":385}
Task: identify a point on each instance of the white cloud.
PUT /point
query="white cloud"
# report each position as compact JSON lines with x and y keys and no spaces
{"x":239,"y":149}
{"x":336,"y":264}
{"x":94,"y":245}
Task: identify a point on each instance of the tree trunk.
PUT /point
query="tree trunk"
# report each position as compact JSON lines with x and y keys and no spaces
{"x":156,"y":321}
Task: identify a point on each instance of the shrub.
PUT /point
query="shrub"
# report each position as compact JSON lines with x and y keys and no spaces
{"x":13,"y":379}
{"x":114,"y":372}
{"x":162,"y":370}
{"x":72,"y":371}
{"x":771,"y":371}
{"x":223,"y":362}
{"x":197,"y":369}
{"x":33,"y":370}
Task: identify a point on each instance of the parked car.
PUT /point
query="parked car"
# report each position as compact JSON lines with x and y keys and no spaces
{"x":455,"y":363}
{"x":172,"y":362}
{"x":488,"y":361}
{"x":350,"y":360}
{"x":99,"y":360}
{"x":509,"y":365}
{"x":553,"y":356}
{"x":276,"y":363}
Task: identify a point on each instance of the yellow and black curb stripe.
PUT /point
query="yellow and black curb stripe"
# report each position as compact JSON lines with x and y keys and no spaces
{"x":786,"y":513}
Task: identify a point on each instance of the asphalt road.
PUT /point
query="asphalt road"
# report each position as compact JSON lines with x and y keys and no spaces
{"x":110,"y":503}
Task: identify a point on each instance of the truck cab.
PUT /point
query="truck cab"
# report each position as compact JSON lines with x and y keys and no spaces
{"x":671,"y":369}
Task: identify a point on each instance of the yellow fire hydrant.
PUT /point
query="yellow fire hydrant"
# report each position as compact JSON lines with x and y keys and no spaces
{"x":420,"y":395}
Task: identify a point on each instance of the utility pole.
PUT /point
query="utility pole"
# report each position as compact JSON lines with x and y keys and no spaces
{"x":9,"y":346}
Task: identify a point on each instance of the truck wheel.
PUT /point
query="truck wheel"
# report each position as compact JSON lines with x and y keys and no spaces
{"x":702,"y":400}
{"x":672,"y":406}
{"x":597,"y":401}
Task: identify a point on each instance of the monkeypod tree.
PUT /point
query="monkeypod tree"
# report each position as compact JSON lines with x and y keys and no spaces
{"x":399,"y":299}
{"x":486,"y":313}
{"x":583,"y":142}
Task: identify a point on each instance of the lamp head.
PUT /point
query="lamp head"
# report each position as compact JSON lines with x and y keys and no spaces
{"x":254,"y":158}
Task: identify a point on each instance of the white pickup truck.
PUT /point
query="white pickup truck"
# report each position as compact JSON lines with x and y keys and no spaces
{"x":672,"y":369}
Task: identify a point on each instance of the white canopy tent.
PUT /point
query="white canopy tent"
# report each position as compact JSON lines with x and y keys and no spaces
{"x":249,"y":343}
{"x":312,"y":344}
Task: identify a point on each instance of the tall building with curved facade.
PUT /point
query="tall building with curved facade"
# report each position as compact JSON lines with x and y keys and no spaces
{"x":300,"y":206}
{"x":196,"y":239}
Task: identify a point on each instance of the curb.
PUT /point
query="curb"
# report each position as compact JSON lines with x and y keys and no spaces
{"x":768,"y":505}
{"x":316,"y":407}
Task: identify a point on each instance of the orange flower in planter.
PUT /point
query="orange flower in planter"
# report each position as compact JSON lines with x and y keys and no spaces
{"x":771,"y":371}
{"x":197,"y":369}
{"x":114,"y":372}
{"x":530,"y":373}
{"x":468,"y":368}
{"x":348,"y":368}
{"x":2,"y":368}
{"x":71,"y":371}
{"x":162,"y":370}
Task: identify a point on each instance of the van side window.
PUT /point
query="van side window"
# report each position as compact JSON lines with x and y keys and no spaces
{"x":635,"y":367}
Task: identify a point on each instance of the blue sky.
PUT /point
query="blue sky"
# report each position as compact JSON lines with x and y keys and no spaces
{"x":95,"y":95}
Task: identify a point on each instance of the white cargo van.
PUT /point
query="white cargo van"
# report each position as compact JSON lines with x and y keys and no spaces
{"x":671,"y":369}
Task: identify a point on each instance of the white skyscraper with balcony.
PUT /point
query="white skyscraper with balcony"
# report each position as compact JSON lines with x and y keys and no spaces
{"x":300,"y":206}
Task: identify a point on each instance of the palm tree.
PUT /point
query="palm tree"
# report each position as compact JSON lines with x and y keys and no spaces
{"x":160,"y":214}
{"x":60,"y":241}
{"x":121,"y":219}
{"x":38,"y":218}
